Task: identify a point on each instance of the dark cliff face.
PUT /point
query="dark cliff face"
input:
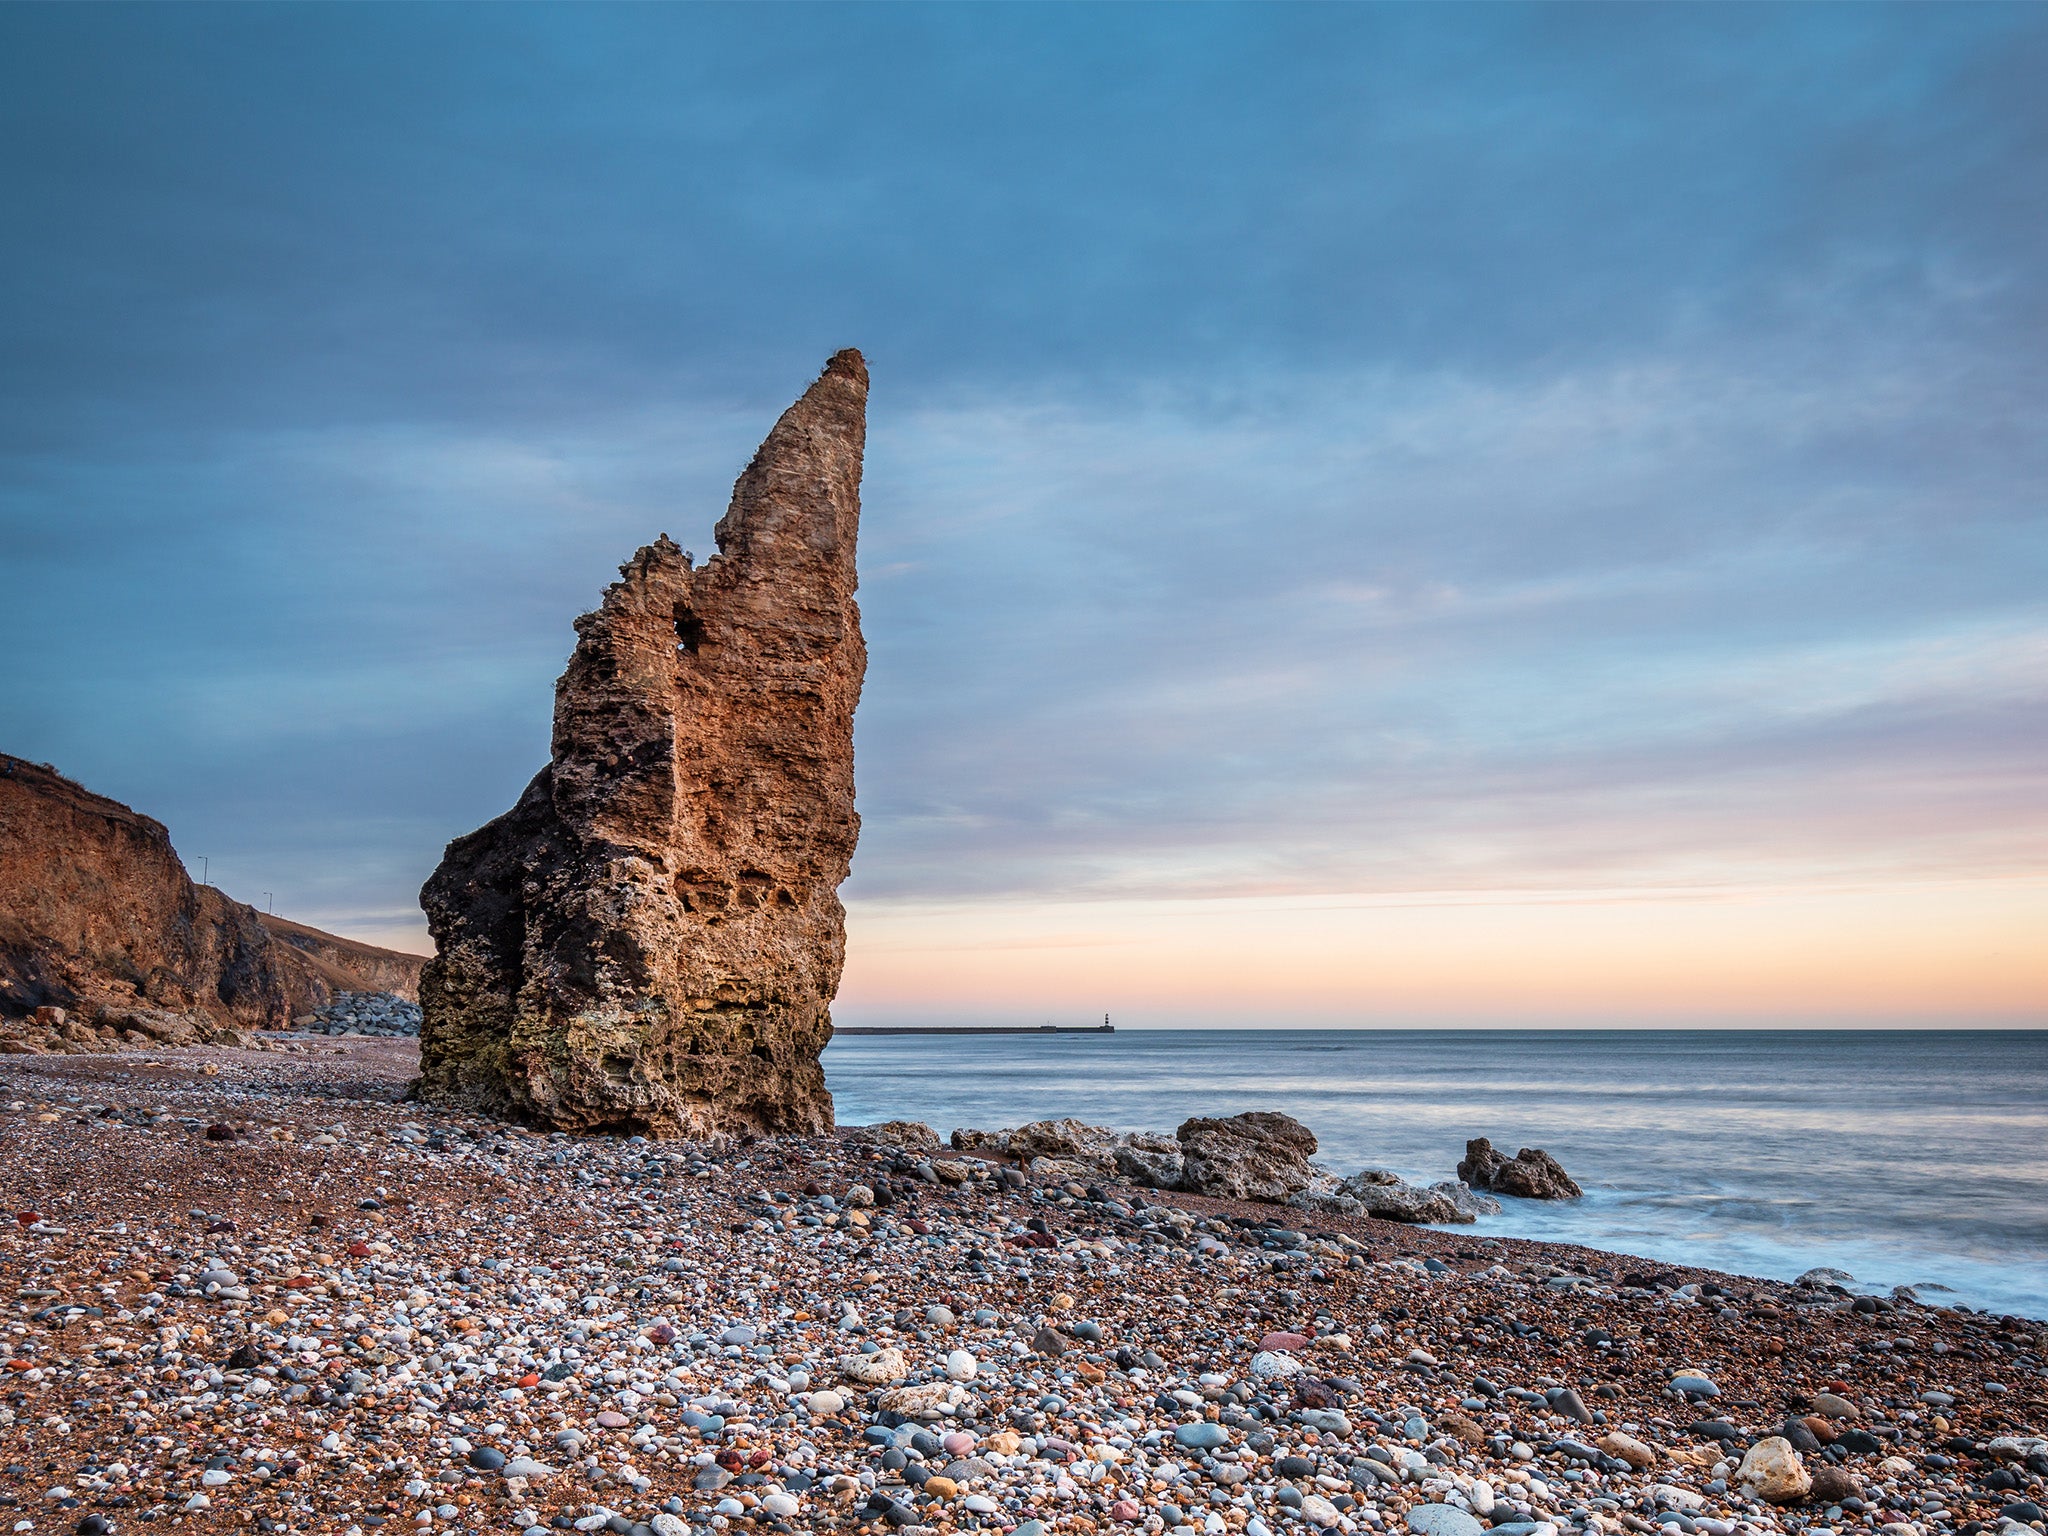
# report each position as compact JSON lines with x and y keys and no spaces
{"x":651,"y":938}
{"x":98,"y":916}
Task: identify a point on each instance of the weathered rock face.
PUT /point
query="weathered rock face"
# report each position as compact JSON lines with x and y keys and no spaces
{"x":904,"y":1135}
{"x":649,"y":941}
{"x":1071,"y":1140}
{"x":98,"y":918}
{"x":1256,"y":1156}
{"x":1531,"y":1174}
{"x":1155,"y":1164}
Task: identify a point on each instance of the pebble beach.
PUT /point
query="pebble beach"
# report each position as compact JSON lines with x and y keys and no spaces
{"x":257,"y":1290}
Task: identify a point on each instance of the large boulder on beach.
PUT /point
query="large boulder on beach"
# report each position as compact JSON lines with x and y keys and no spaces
{"x":1401,"y":1201}
{"x":650,"y":940}
{"x":1531,"y":1174}
{"x":1262,"y":1155}
{"x":903,"y":1135}
{"x":1080,"y":1149}
{"x":1071,"y":1140}
{"x":1466,"y":1201}
{"x":1387,"y":1197}
{"x":1152,"y":1161}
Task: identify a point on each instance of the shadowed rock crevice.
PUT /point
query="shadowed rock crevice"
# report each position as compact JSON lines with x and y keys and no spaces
{"x":649,"y":941}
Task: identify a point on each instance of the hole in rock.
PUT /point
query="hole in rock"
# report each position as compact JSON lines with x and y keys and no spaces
{"x":689,"y":631}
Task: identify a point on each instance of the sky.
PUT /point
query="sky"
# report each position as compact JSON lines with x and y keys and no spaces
{"x":1373,"y":515}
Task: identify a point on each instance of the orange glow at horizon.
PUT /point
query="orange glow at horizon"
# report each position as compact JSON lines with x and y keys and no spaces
{"x":1961,"y":954}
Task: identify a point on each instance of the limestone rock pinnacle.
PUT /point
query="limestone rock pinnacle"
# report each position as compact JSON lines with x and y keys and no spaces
{"x":650,"y":940}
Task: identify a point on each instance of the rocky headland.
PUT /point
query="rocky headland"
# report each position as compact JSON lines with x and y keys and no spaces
{"x":106,"y":941}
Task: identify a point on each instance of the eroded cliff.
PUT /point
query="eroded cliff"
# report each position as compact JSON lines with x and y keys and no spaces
{"x":99,"y":917}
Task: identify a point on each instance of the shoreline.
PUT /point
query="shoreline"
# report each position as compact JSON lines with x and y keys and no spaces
{"x":404,"y":1355}
{"x":1694,"y":1148}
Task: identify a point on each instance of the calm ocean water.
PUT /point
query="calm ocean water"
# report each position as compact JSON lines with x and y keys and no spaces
{"x":1901,"y":1157}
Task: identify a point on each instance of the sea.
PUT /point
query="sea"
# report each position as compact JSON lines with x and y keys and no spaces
{"x":1900,"y":1157}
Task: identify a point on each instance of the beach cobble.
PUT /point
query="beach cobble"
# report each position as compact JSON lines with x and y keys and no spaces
{"x":256,"y":1290}
{"x":363,"y":1013}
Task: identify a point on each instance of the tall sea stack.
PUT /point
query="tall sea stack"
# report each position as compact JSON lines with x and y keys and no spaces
{"x":650,"y":940}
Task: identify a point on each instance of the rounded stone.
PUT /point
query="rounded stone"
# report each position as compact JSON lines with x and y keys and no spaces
{"x":1271,"y":1365}
{"x":1442,"y":1520}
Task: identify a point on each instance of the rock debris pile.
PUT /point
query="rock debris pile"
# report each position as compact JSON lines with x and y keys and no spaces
{"x":650,"y":940}
{"x":259,"y":1292}
{"x":363,"y":1013}
{"x":53,"y":1031}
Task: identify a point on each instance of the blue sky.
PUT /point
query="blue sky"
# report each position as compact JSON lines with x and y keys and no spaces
{"x":1435,"y":456}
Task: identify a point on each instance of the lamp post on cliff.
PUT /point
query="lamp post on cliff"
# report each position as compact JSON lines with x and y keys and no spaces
{"x":204,"y":866}
{"x":268,"y":901}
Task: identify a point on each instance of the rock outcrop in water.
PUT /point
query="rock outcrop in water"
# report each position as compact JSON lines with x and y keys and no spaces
{"x":650,"y":940}
{"x":100,"y":922}
{"x":1531,"y":1174}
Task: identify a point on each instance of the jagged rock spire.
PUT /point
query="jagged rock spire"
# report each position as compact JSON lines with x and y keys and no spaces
{"x":651,"y":939}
